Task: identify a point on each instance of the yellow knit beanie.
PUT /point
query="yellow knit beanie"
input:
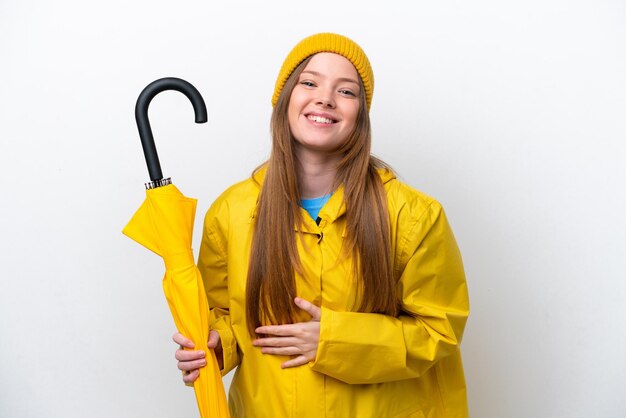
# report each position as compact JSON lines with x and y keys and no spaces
{"x":327,"y":42}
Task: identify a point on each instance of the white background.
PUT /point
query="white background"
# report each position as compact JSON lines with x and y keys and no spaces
{"x":512,"y":114}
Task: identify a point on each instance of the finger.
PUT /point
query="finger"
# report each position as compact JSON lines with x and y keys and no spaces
{"x":191,"y":377}
{"x":282,"y":351}
{"x":214,"y":339}
{"x":183,"y":341}
{"x":280,"y":330}
{"x":187,"y":355}
{"x":276,"y":342}
{"x":218,"y":350}
{"x":298,"y":361}
{"x":305,"y":305}
{"x":188,"y":366}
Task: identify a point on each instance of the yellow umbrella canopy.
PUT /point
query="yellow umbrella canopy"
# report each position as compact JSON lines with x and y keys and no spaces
{"x":164,"y":224}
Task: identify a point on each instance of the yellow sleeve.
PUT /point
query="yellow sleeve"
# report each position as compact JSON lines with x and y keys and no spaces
{"x":212,"y":263}
{"x":371,"y":348}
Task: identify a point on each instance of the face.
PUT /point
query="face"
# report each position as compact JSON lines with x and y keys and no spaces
{"x":324,"y":104}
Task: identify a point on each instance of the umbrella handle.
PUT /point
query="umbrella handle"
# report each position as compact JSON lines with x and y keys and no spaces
{"x":143,"y":124}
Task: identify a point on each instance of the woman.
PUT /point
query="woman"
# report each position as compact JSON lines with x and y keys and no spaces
{"x":335,"y":289}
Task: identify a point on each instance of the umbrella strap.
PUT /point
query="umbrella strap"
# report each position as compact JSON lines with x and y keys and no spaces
{"x":178,"y":261}
{"x":158,"y":183}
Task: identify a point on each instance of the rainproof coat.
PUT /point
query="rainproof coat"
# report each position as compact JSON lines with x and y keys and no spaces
{"x":367,"y":365}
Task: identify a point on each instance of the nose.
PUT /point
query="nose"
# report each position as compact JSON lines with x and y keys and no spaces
{"x":326,"y":100}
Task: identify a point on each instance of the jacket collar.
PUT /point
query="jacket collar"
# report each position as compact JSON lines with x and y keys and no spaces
{"x":334,"y":209}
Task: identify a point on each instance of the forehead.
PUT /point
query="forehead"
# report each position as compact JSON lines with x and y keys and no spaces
{"x":331,"y":65}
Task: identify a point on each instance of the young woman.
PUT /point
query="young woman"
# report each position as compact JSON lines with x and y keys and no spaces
{"x":335,"y":289}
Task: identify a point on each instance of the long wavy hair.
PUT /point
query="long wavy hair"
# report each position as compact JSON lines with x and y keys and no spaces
{"x":274,"y":258}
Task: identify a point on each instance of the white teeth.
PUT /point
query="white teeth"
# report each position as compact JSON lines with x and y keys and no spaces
{"x":319,"y":119}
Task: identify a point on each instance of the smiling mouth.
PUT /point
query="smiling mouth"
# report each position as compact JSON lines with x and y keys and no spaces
{"x":320,"y":119}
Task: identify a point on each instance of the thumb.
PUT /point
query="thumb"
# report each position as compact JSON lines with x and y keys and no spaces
{"x":305,"y":305}
{"x":214,"y":339}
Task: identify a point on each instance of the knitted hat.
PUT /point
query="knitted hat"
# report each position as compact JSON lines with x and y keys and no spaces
{"x":327,"y":42}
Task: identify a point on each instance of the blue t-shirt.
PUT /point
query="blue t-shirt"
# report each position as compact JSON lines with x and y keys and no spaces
{"x":313,"y":206}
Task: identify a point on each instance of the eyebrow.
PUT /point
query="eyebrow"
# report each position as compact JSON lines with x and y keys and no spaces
{"x":346,"y":79}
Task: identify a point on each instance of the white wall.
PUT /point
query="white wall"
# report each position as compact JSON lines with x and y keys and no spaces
{"x":511,"y":114}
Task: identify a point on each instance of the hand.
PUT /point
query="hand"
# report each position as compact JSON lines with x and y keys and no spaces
{"x":191,"y":361}
{"x":299,"y":339}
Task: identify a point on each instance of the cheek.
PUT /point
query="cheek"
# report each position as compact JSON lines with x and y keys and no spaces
{"x":292,"y":117}
{"x":353,"y":114}
{"x":293,"y":109}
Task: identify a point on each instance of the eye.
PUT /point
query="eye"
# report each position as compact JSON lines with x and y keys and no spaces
{"x":307,"y":83}
{"x":346,"y":92}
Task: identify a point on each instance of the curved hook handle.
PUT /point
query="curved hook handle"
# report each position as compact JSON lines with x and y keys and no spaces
{"x":143,"y":124}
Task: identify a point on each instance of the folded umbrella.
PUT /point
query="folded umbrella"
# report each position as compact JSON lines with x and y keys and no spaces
{"x":164,"y":224}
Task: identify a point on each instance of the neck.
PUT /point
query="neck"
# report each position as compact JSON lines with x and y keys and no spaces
{"x":316,"y":174}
